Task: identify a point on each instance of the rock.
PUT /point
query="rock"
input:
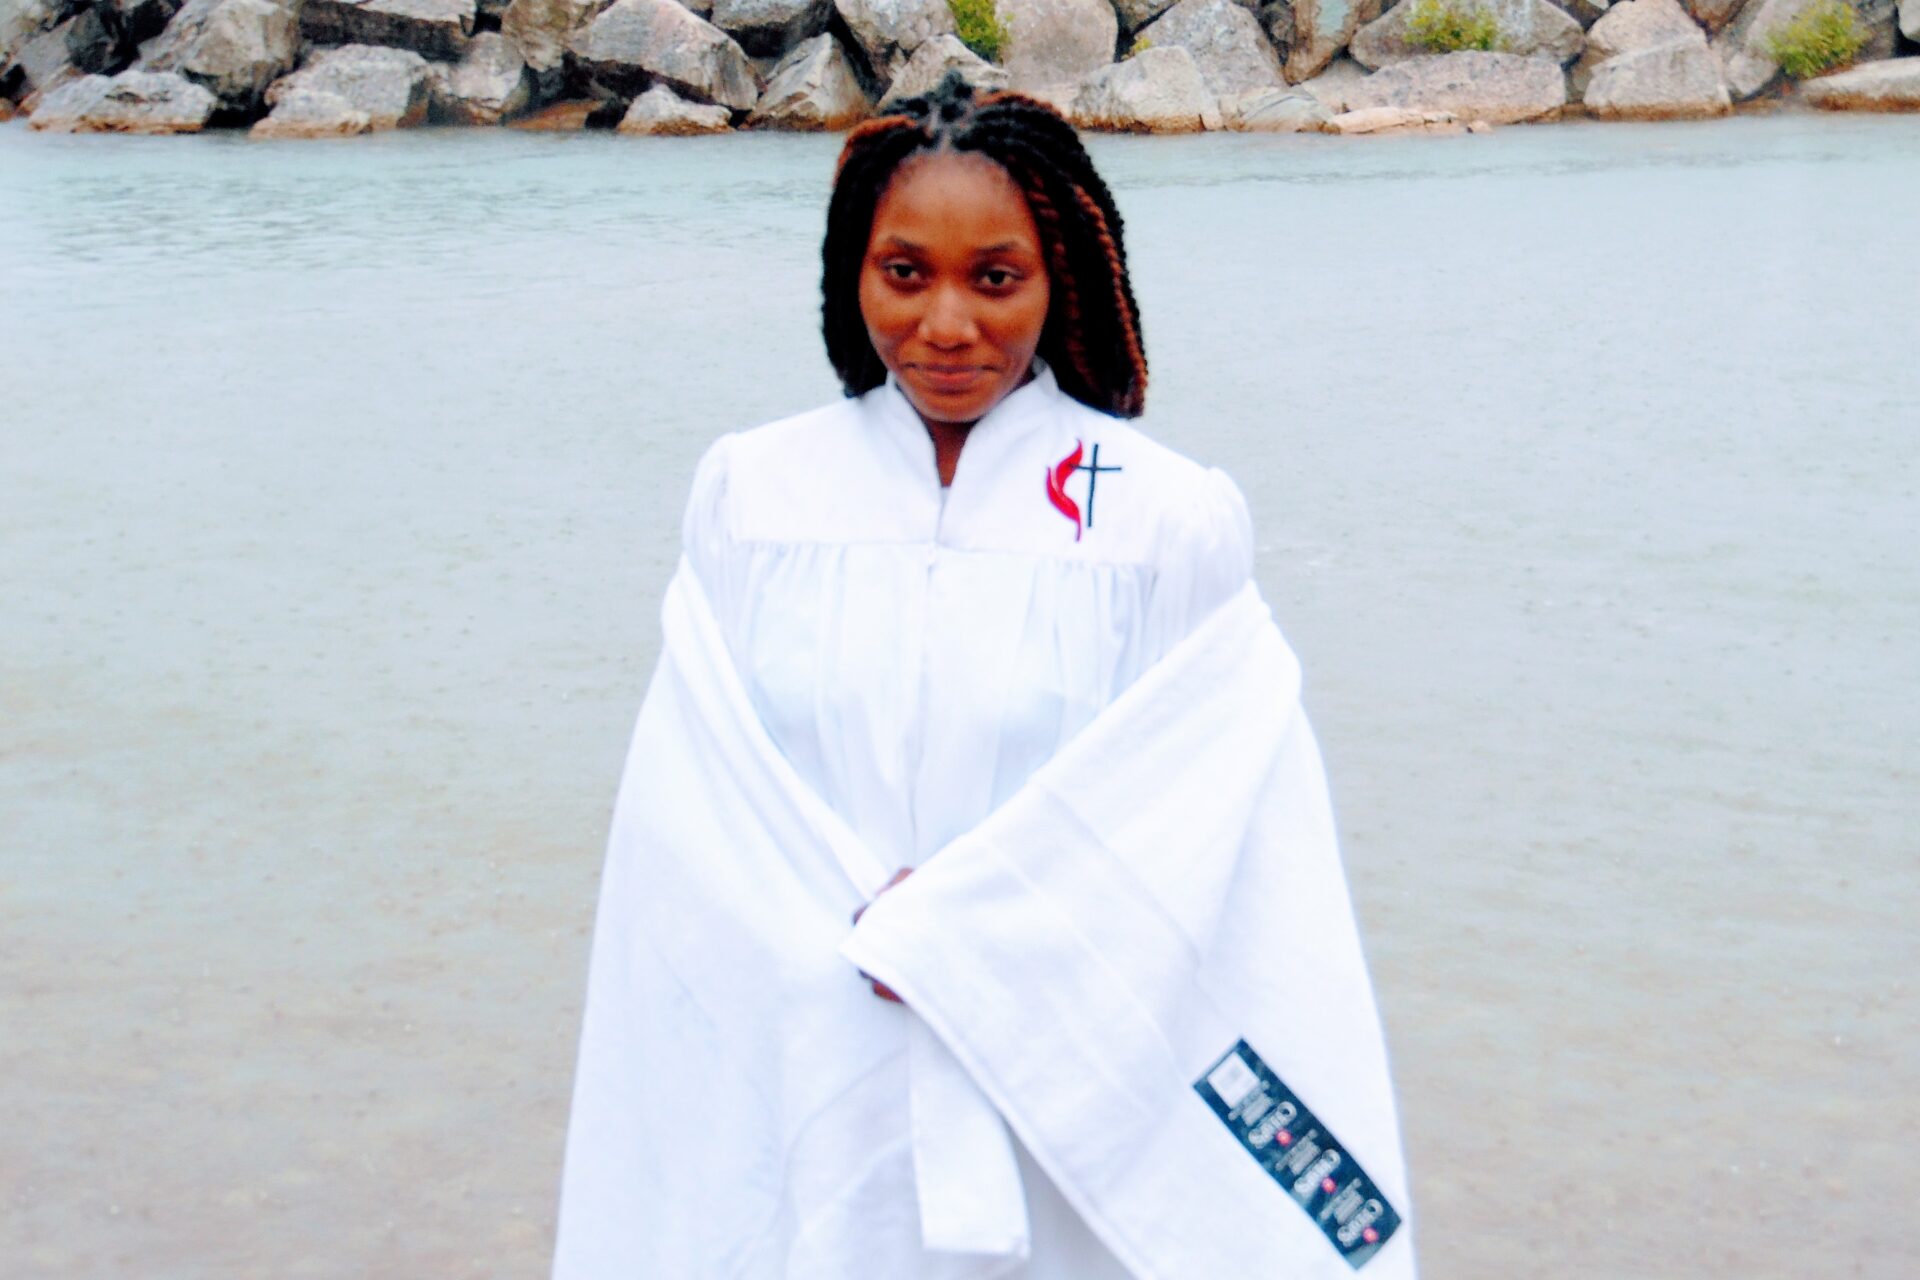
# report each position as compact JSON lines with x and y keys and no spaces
{"x":6,"y":110}
{"x":766,"y":28}
{"x":889,"y":31}
{"x":1274,"y":111}
{"x":42,"y":64}
{"x":1889,"y":85}
{"x":929,"y":66}
{"x":662,"y":111}
{"x":1321,"y":29}
{"x":540,"y":30}
{"x":1910,"y":20}
{"x":1154,"y":91}
{"x":633,"y":43}
{"x":1054,"y":43}
{"x":814,"y":88}
{"x":485,"y":87}
{"x":94,"y":44}
{"x":1501,"y":88}
{"x":312,"y":113}
{"x":1135,"y":14}
{"x":564,"y":117}
{"x":131,"y":102}
{"x":1226,"y":43}
{"x":235,"y":48}
{"x":1479,"y":126}
{"x":1673,"y":81}
{"x":1742,"y":46}
{"x":1335,"y":85}
{"x":1626,"y":28}
{"x":21,"y":21}
{"x":1584,"y":12}
{"x":439,"y":28}
{"x":390,"y":85}
{"x":1276,"y":19}
{"x":1393,"y":120}
{"x":1713,"y":14}
{"x":1530,"y":28}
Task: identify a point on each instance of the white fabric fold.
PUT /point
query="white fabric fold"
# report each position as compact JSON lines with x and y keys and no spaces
{"x":1164,"y":888}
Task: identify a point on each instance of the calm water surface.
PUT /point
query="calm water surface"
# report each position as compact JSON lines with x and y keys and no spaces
{"x":338,"y":485}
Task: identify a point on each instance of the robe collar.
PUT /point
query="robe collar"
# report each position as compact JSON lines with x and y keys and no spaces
{"x":1023,"y":411}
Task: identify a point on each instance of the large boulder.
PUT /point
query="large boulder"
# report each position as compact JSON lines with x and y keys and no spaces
{"x":1321,"y":29}
{"x":43,"y":64}
{"x":1154,"y":91}
{"x":1742,"y":46}
{"x":1910,"y":20}
{"x":131,"y":102}
{"x":22,"y":20}
{"x":1531,"y":28}
{"x":813,"y":88}
{"x":1226,"y":42}
{"x":1890,"y":85}
{"x":439,"y":28}
{"x":390,"y":85}
{"x":94,"y":41}
{"x":929,"y":66}
{"x":663,"y":112}
{"x":634,"y":44}
{"x":486,"y":86}
{"x":1135,"y":14}
{"x":1335,"y":85}
{"x":1276,"y":19}
{"x":1500,"y":88}
{"x":540,"y":30}
{"x":767,"y":28}
{"x":1274,"y":111}
{"x":1627,"y":28}
{"x":1056,"y":43}
{"x":1673,"y":81}
{"x":889,"y":31}
{"x":312,"y":113}
{"x":236,"y":48}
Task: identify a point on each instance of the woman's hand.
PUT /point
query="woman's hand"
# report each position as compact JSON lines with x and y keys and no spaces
{"x":880,"y":988}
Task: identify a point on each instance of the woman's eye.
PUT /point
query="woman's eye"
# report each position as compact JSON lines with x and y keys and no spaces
{"x":997,"y":277}
{"x":900,"y":270}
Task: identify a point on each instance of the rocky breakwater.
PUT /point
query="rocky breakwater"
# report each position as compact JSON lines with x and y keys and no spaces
{"x":328,"y":68}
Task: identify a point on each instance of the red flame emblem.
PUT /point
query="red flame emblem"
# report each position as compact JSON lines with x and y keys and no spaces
{"x":1057,"y":488}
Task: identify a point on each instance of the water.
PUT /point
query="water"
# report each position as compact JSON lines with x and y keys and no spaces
{"x":338,"y":484}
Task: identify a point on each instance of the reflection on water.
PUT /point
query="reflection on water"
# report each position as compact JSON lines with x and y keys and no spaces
{"x":338,"y":485}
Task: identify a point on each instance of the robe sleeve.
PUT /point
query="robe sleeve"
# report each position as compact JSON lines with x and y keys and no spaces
{"x":1206,"y":556}
{"x":705,"y":535}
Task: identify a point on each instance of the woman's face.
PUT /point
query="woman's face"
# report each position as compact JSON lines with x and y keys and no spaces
{"x":954,"y":287}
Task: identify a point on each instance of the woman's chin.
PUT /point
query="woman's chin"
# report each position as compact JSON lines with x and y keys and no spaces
{"x":956,"y":405}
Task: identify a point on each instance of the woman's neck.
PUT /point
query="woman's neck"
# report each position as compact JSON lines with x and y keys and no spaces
{"x":948,"y":437}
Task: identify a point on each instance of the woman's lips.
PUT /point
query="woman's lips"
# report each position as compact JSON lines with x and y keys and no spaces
{"x":948,"y":378}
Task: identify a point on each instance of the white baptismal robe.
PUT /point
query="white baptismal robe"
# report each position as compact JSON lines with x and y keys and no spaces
{"x":916,"y":655}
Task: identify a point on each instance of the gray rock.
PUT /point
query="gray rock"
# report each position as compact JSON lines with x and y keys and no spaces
{"x":1226,"y":43}
{"x":540,"y":30}
{"x":131,"y":102}
{"x":1055,"y":43}
{"x":1154,"y":91}
{"x":888,"y":31}
{"x":1274,"y":111}
{"x":439,"y":28}
{"x":662,"y":111}
{"x":766,"y":28}
{"x":1135,"y":14}
{"x":142,"y":20}
{"x":390,"y":85}
{"x":570,"y":116}
{"x":94,"y":44}
{"x":1889,"y":85}
{"x":312,"y":113}
{"x":236,"y":48}
{"x":1336,"y":84}
{"x":1713,"y":15}
{"x":1500,"y":88}
{"x":1321,"y":29}
{"x":1276,"y":19}
{"x":1673,"y":81}
{"x":1584,"y":12}
{"x":42,"y":63}
{"x":1627,"y":28}
{"x":1530,"y":28}
{"x":1394,"y":120}
{"x":814,"y":88}
{"x":21,"y":21}
{"x":485,"y":87}
{"x":634,"y":43}
{"x":1742,"y":46}
{"x":1910,"y":19}
{"x":929,"y":66}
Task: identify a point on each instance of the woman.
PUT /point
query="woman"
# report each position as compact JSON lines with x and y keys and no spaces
{"x":894,"y":616}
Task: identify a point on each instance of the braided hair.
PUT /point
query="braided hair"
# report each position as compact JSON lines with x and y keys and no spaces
{"x":1091,"y":337}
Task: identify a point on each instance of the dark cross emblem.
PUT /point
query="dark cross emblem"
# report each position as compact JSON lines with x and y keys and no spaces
{"x":1057,"y":485}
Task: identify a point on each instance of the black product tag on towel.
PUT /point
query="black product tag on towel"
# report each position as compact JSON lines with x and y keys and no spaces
{"x":1299,"y":1153}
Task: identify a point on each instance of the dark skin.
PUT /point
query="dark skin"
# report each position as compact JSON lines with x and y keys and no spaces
{"x":954,"y":292}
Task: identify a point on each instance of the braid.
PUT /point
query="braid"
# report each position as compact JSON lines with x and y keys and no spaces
{"x":1098,"y":358}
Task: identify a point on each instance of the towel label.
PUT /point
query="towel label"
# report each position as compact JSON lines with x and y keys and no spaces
{"x":1299,"y":1153}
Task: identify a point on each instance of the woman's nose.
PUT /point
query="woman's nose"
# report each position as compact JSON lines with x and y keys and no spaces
{"x":948,"y":319}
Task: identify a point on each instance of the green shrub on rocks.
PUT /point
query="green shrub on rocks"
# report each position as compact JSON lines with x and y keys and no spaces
{"x":1825,"y":35}
{"x":1448,"y":26}
{"x":979,"y":27}
{"x":1140,"y":45}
